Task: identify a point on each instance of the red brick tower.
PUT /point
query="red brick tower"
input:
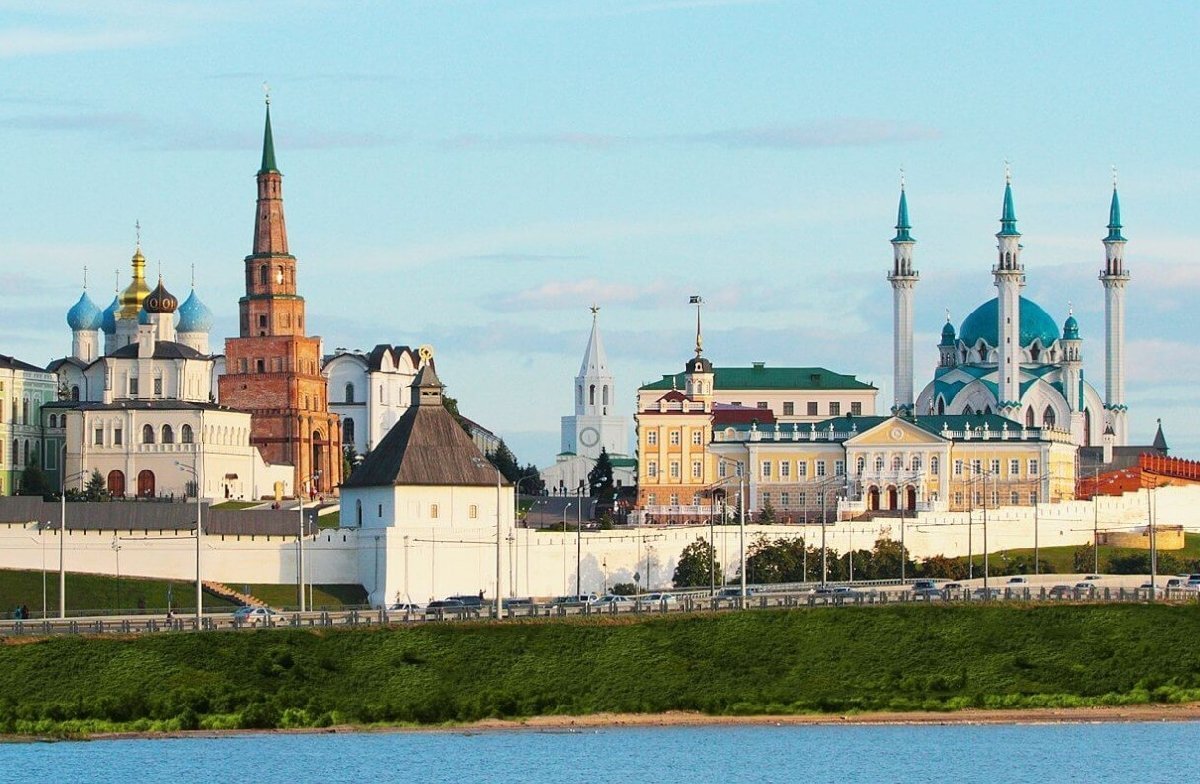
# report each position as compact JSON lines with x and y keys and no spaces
{"x":273,"y":370}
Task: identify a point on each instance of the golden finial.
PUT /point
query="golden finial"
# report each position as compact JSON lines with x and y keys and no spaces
{"x":117,"y":281}
{"x":425,"y":352}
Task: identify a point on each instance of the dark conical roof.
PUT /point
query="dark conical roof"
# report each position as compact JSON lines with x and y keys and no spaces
{"x":268,"y":158}
{"x":427,"y":446}
{"x":1160,"y":441}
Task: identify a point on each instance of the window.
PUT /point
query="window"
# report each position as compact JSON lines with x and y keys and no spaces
{"x":695,"y":499}
{"x":789,"y":408}
{"x":1033,"y":496}
{"x":935,"y":465}
{"x":762,"y":404}
{"x":856,"y":408}
{"x":897,"y":463}
{"x":785,"y":469}
{"x":958,"y":467}
{"x":260,"y":366}
{"x":472,"y":511}
{"x":53,"y":420}
{"x":674,"y":499}
{"x":995,"y":498}
{"x":651,"y":499}
{"x":675,"y":437}
{"x":784,"y":499}
{"x":118,"y":436}
{"x":349,"y":393}
{"x":147,"y":434}
{"x":381,"y":510}
{"x":185,"y":434}
{"x":835,"y":409}
{"x":1015,"y":498}
{"x":766,"y":469}
{"x":133,"y":386}
{"x":878,"y":463}
{"x":977,"y":466}
{"x":916,"y":462}
{"x":652,"y":438}
{"x":978,"y":498}
{"x":348,"y":431}
{"x":1014,"y":467}
{"x":839,"y":467}
{"x":766,"y":499}
{"x":740,"y":468}
{"x":721,"y":469}
{"x":262,"y":275}
{"x":433,"y":511}
{"x":674,"y":469}
{"x":652,"y":469}
{"x":97,"y":440}
{"x":697,"y":470}
{"x":820,"y":468}
{"x":158,"y":387}
{"x":812,"y":408}
{"x":697,"y":437}
{"x":51,"y":459}
{"x":168,"y":435}
{"x":958,"y":499}
{"x":801,"y":468}
{"x":860,"y":465}
{"x":996,"y":468}
{"x":802,"y":499}
{"x":1033,"y":467}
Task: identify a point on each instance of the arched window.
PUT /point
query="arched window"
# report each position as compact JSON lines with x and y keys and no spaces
{"x":263,"y":275}
{"x":941,"y":407}
{"x":147,"y":434}
{"x":878,"y":462}
{"x":25,"y":412}
{"x":25,"y":455}
{"x":279,"y":275}
{"x":916,"y":462}
{"x":579,"y":395}
{"x":592,"y":395}
{"x":1029,"y":418}
{"x":53,"y":421}
{"x":1034,"y":351}
{"x":347,"y":431}
{"x":897,"y":463}
{"x":860,"y":464}
{"x":604,"y":395}
{"x":185,"y":434}
{"x":934,"y":464}
{"x":358,"y":511}
{"x":1048,"y":417}
{"x":75,"y":392}
{"x":168,"y":435}
{"x":349,"y":393}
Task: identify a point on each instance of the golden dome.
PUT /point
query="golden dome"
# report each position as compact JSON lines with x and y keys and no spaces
{"x":137,"y":291}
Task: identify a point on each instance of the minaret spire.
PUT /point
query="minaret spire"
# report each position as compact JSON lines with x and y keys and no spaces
{"x":1009,"y":275}
{"x":904,"y":280}
{"x":1114,"y":278}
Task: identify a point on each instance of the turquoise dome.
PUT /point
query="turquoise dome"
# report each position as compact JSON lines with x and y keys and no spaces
{"x":143,"y":316}
{"x":194,"y":315}
{"x":108,"y":320}
{"x":947,"y":335}
{"x":1071,"y":329}
{"x":1036,"y":324}
{"x":84,"y":315}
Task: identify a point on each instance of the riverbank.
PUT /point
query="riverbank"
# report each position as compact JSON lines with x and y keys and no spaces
{"x":897,"y":663}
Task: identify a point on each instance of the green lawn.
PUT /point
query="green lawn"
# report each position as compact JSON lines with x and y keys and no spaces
{"x":832,"y":660}
{"x":96,"y":592}
{"x":330,"y":520}
{"x":1061,"y":559}
{"x":237,"y":504}
{"x":324,"y":597}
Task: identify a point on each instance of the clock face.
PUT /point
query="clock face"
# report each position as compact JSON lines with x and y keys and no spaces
{"x":589,"y":436}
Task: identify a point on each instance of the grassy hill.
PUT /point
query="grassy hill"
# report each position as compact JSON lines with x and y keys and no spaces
{"x":1061,"y":559}
{"x":825,"y":660}
{"x":98,"y":592}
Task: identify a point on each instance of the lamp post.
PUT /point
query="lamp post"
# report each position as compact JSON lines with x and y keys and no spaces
{"x":1036,"y":565}
{"x":1096,"y":521}
{"x":564,"y":544}
{"x":116,"y":546}
{"x":743,"y":500}
{"x":62,"y":536}
{"x":300,"y":542}
{"x":480,"y":463}
{"x":42,"y":531}
{"x":578,"y":543}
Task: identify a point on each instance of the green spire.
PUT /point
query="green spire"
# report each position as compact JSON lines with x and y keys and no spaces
{"x":1008,"y":219}
{"x":268,"y":159}
{"x":902,"y":224}
{"x":1114,"y":220}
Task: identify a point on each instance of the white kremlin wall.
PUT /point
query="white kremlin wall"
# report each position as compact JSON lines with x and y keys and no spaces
{"x":425,"y":563}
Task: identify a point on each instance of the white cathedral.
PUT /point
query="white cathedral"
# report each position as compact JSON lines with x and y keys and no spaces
{"x":593,"y":427}
{"x":1009,"y":356}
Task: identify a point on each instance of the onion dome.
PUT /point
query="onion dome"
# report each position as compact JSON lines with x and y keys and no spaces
{"x":143,"y":317}
{"x":1036,"y":324}
{"x":160,"y":300}
{"x":194,"y":315}
{"x":108,"y":319}
{"x":1071,"y":328}
{"x":947,"y":334}
{"x":84,"y":315}
{"x":135,"y":293}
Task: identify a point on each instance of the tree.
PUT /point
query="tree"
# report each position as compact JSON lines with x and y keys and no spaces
{"x":766,"y":515}
{"x":451,"y":405}
{"x":624,"y":589}
{"x":505,"y":462}
{"x":34,"y":480}
{"x":941,"y":567}
{"x":95,"y":490}
{"x":349,"y":460}
{"x":1084,"y":558}
{"x":531,"y":482}
{"x":697,"y":563}
{"x":780,"y":561}
{"x":600,"y":479}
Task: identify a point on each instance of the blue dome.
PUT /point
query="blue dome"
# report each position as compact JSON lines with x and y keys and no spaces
{"x":947,"y":334}
{"x":84,"y":314}
{"x":194,"y":315}
{"x":1071,"y":329}
{"x":1036,"y":324}
{"x":108,"y":321}
{"x":143,"y":316}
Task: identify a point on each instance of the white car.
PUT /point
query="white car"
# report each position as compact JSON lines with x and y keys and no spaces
{"x":259,"y":616}
{"x":658,"y":600}
{"x":611,"y":602}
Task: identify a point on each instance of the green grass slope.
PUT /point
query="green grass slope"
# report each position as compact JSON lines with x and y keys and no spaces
{"x":838,"y":659}
{"x":87,"y":592}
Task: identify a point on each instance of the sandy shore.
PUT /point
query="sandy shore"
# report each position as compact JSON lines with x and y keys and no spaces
{"x":600,"y":721}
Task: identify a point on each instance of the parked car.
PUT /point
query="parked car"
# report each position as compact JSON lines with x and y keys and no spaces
{"x":926,"y":589}
{"x":572,"y":600}
{"x":1085,"y":589}
{"x":516,"y":601}
{"x":1193,"y":582}
{"x":985,"y":593}
{"x":407,"y":608}
{"x":1175,"y":583}
{"x":657,"y":600}
{"x":734,"y":592}
{"x":1019,"y":581}
{"x":472,"y":600}
{"x":1092,"y":577}
{"x":952,"y":589}
{"x":1061,"y":592}
{"x":446,"y":607}
{"x":844,"y":592}
{"x":262,"y":616}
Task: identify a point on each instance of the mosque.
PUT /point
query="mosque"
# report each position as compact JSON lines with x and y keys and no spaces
{"x":1009,"y":356}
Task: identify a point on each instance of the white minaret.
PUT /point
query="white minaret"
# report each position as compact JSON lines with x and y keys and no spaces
{"x":1113,"y":277}
{"x":593,"y":426}
{"x":1072,"y":377}
{"x":1010,"y":279}
{"x":904,"y":280}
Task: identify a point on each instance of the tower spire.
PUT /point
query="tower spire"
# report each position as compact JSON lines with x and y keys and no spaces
{"x":268,"y":151}
{"x":904,"y":281}
{"x":1008,"y":216}
{"x":1009,"y":278}
{"x":698,"y":301}
{"x":1114,"y":278}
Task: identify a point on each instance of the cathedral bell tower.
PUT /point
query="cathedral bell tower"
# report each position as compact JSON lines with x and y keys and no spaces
{"x":1009,"y":275}
{"x":273,"y":369}
{"x":904,"y":281}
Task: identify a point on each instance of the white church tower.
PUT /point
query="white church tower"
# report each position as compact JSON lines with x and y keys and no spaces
{"x":1010,"y":279}
{"x":593,"y":426}
{"x":1113,"y":277}
{"x":904,"y":281}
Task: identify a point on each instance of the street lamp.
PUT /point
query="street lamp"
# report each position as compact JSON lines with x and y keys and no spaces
{"x":480,"y":463}
{"x":116,"y":546}
{"x":579,"y":542}
{"x":825,"y":487}
{"x":300,"y":542}
{"x":62,"y":536}
{"x":743,"y":492}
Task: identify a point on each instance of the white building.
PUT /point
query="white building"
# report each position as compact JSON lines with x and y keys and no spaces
{"x":370,"y":392}
{"x":428,"y":481}
{"x":594,"y":427}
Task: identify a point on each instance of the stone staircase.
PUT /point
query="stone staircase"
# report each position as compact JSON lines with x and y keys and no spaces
{"x":225,"y":592}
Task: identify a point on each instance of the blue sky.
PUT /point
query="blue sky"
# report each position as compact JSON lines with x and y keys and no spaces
{"x":474,"y":175}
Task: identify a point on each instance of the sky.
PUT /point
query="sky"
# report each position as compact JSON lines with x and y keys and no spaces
{"x":474,"y":175}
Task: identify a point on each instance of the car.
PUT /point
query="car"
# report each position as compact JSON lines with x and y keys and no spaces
{"x":261,"y":616}
{"x":1085,"y":588}
{"x":573,"y":600}
{"x":844,"y":592}
{"x":1092,"y":577}
{"x":611,"y":602}
{"x":1174,"y":583}
{"x":446,"y":607}
{"x":951,"y":587}
{"x":406,"y":608}
{"x":1193,"y":582}
{"x":516,"y":602}
{"x":1061,"y":592}
{"x":472,"y":600}
{"x":657,"y":600}
{"x":926,"y":589}
{"x":1018,"y":580}
{"x":985,"y":593}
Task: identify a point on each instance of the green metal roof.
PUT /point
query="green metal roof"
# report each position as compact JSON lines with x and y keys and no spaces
{"x":761,"y":377}
{"x":268,"y":158}
{"x":1008,"y":218}
{"x":902,"y":224}
{"x":624,"y":462}
{"x":1114,"y":220}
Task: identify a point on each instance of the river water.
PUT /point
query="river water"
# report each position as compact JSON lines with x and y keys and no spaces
{"x":1030,"y":754}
